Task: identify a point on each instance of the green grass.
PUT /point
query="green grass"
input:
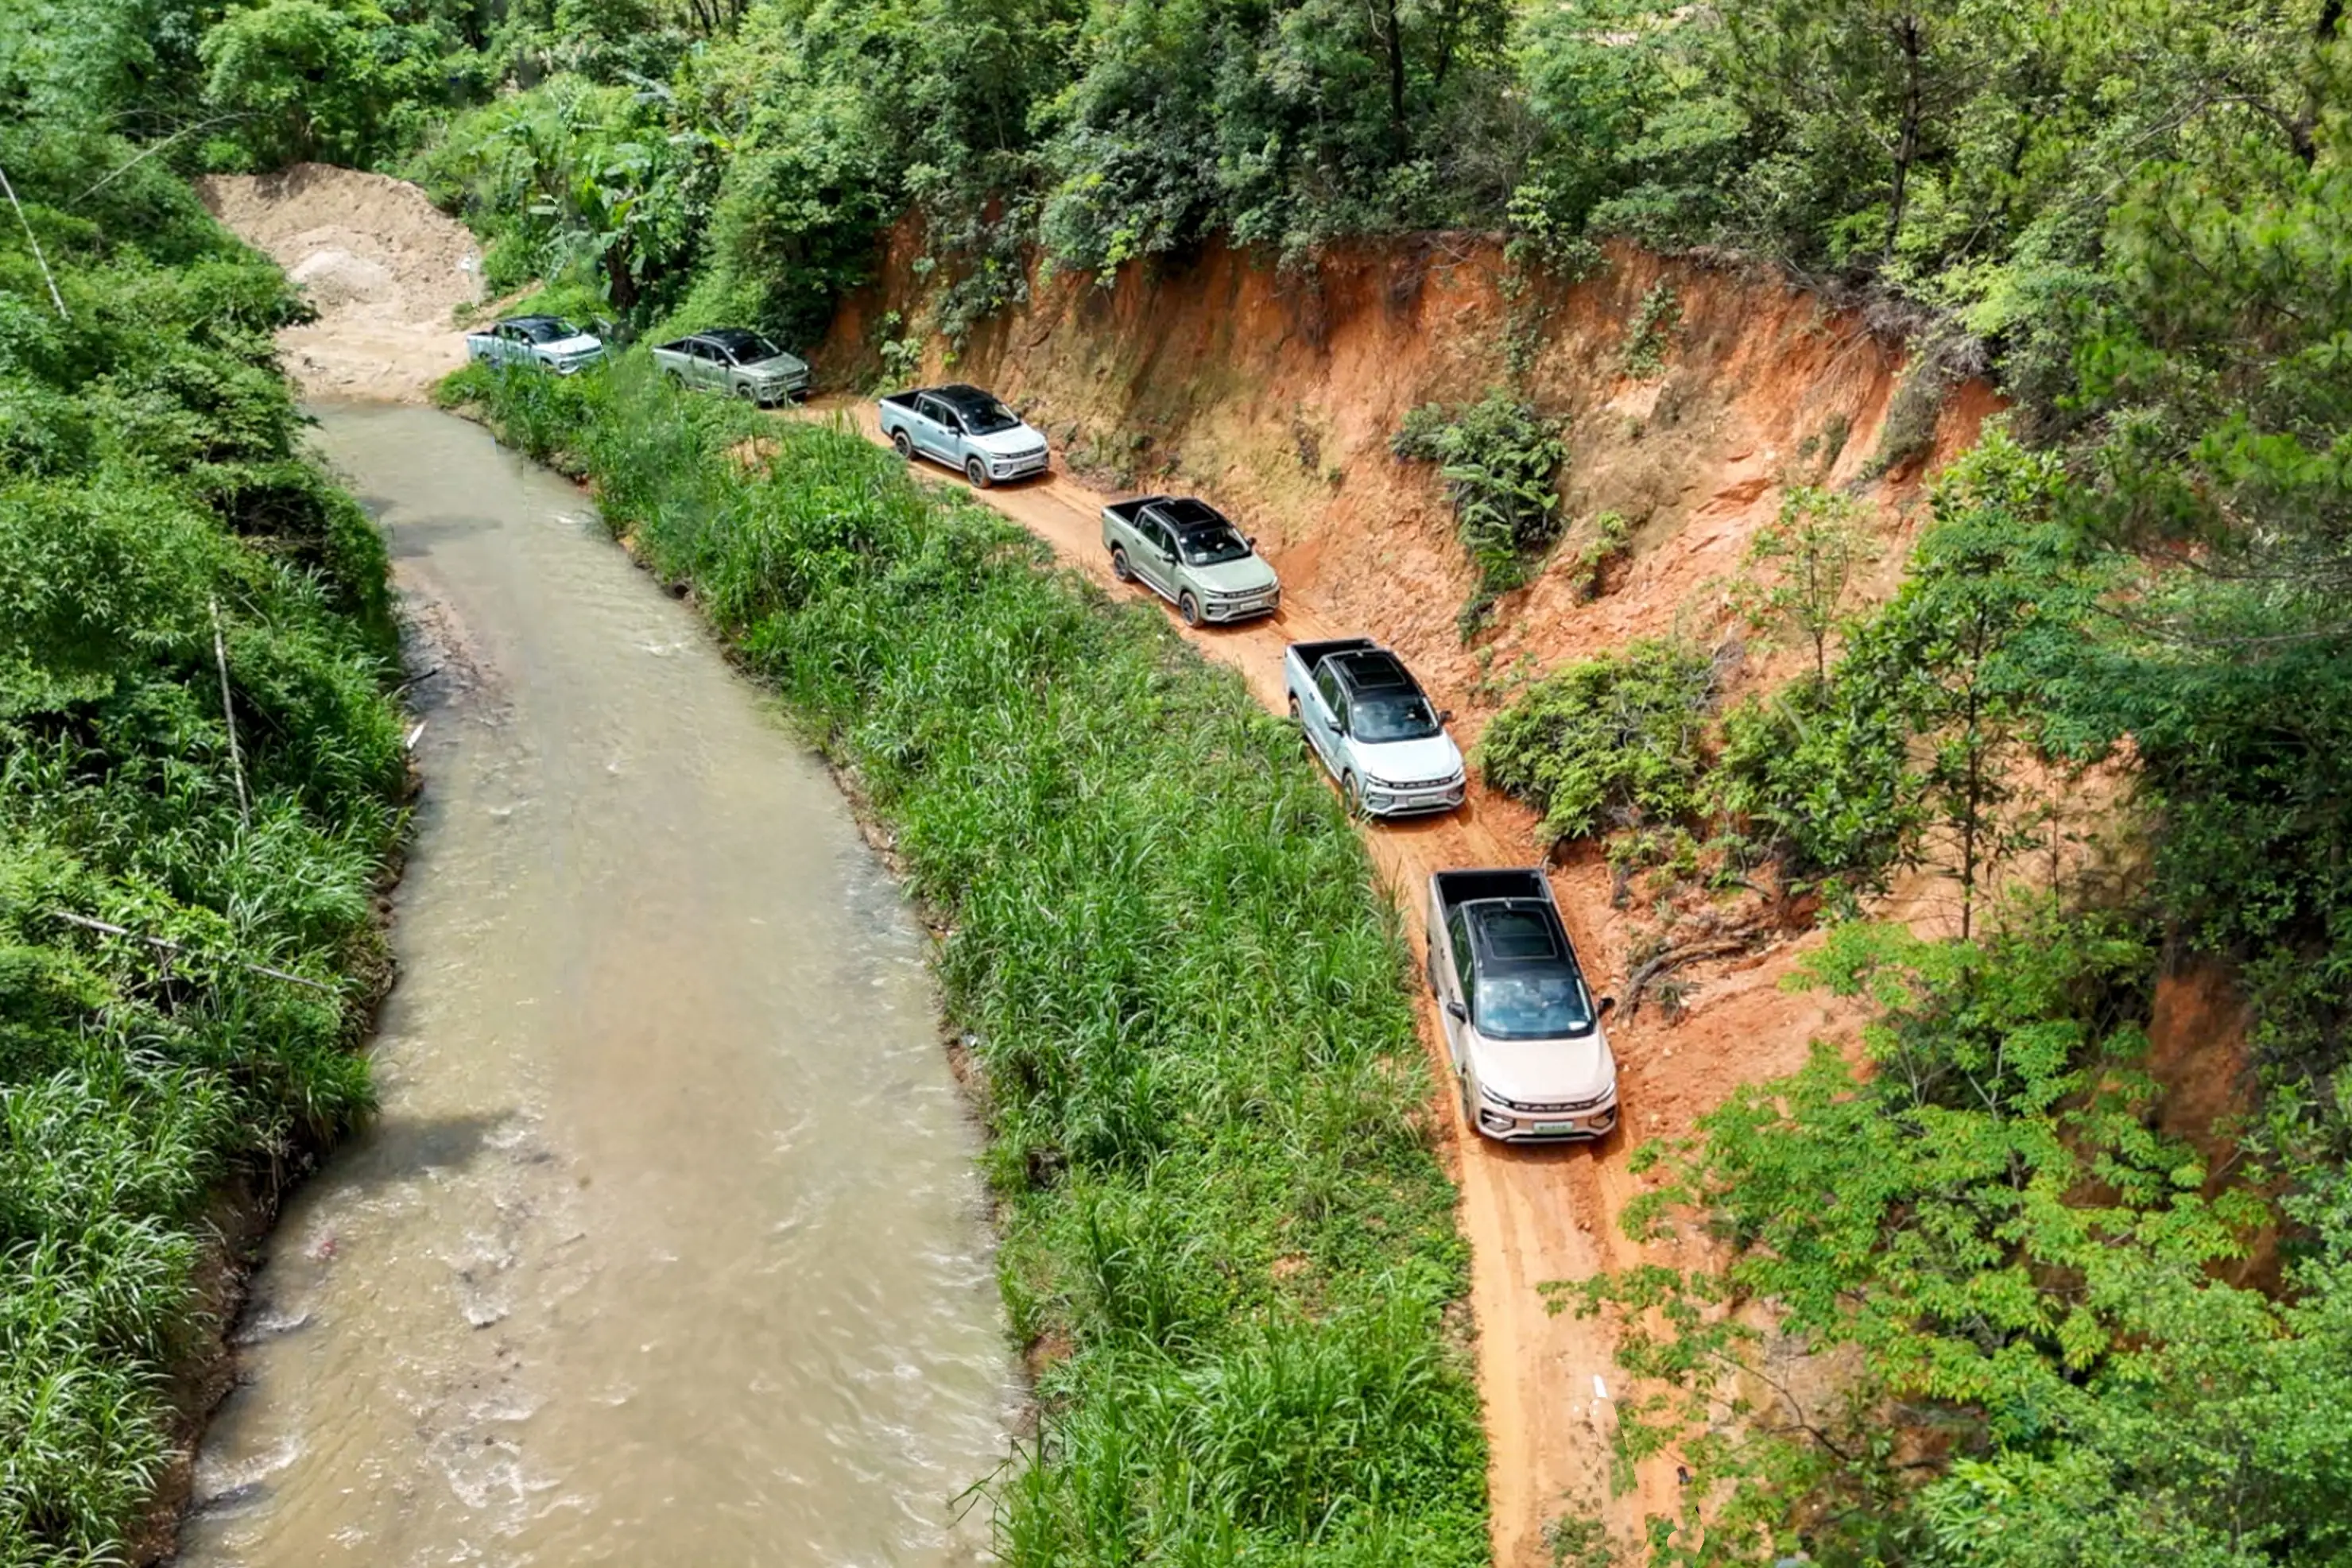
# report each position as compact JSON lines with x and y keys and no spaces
{"x":147,"y":473}
{"x":1225,"y":1237}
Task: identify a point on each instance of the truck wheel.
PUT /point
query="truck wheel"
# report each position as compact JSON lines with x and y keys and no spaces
{"x":1119,"y":568}
{"x":1297,"y":717}
{"x":746,"y":392}
{"x":977,"y":471}
{"x":1469,"y":1102}
{"x":1353,"y":793}
{"x":906,"y":448}
{"x":1188,"y":608}
{"x":675,"y":382}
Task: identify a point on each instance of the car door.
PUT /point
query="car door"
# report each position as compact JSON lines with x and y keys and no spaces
{"x":1454,"y":1009}
{"x":936,"y":430}
{"x":1158,"y":566}
{"x":501,"y":344}
{"x":722,"y":368}
{"x":1326,"y":718}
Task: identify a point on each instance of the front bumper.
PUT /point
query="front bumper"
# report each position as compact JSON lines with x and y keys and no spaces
{"x":1242,"y":607}
{"x":781,"y":389}
{"x":574,"y":365}
{"x":1414,"y":799}
{"x":1019,"y":468}
{"x":1507,"y":1124}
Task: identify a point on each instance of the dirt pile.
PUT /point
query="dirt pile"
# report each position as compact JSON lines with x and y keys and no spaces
{"x":384,"y":267}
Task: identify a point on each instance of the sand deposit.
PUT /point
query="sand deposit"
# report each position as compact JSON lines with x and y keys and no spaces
{"x":384,"y":269}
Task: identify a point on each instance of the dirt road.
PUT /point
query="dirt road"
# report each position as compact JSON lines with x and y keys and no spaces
{"x":1531,"y":1215}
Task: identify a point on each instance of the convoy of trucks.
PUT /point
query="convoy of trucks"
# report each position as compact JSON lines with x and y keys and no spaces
{"x":1523,"y":1029}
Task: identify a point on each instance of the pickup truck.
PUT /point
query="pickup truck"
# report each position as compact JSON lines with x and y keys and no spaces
{"x":1522,"y":1028}
{"x":1185,"y":551}
{"x":543,"y":342}
{"x":1367,"y":719}
{"x":964,"y":428}
{"x":733,"y":362}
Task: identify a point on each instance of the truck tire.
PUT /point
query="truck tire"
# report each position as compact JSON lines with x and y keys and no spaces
{"x":1188,"y":608}
{"x":748,"y":393}
{"x":906,"y":448}
{"x":674,"y":379}
{"x":977,"y":471}
{"x":1352,"y":793}
{"x":1119,"y":568}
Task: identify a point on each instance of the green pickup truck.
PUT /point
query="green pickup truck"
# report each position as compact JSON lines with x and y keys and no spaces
{"x":1185,"y":551}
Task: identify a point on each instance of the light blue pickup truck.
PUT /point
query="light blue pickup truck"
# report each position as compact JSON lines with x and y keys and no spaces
{"x":965,"y":428}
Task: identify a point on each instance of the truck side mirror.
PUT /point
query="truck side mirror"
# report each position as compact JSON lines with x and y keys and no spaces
{"x":1445,"y":715}
{"x":1607,"y":1005}
{"x":1458,"y":1011}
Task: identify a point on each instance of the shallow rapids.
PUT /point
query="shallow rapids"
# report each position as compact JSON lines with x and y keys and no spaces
{"x":666,"y":1247}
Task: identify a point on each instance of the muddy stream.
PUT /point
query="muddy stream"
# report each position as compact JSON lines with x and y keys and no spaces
{"x":666,"y":1247}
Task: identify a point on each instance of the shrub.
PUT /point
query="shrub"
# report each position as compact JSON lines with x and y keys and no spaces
{"x":1500,"y":461}
{"x":1607,"y":743}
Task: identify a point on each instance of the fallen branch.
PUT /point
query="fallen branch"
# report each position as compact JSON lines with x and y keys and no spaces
{"x":168,"y":945}
{"x":228,"y":713}
{"x":1672,"y":958}
{"x":34,"y":240}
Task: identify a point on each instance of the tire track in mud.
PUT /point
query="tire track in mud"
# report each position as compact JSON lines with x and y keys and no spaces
{"x":1550,"y":1381}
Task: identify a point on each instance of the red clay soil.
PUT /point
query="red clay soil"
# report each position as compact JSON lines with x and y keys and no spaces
{"x":1275,"y":395}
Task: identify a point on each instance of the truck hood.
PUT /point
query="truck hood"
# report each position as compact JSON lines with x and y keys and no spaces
{"x":1545,"y":1071}
{"x":572,"y":347}
{"x":779,"y":365}
{"x":1013,"y":443}
{"x":1410,"y":761}
{"x":1248,"y":575}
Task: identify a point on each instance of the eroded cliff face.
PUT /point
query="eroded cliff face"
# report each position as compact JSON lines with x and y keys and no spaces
{"x":1275,"y":394}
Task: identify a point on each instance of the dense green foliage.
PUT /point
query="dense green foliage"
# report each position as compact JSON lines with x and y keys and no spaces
{"x":152,"y":501}
{"x":1227,"y":1239}
{"x":1607,"y":743}
{"x":1500,"y":460}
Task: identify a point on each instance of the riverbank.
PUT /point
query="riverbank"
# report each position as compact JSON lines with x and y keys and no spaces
{"x":202,"y":771}
{"x":1229,"y":1248}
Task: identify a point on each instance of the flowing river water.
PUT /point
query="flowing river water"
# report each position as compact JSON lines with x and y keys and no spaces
{"x":666,"y":1247}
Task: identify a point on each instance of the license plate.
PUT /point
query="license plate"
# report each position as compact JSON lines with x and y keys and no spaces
{"x":1555,"y":1129}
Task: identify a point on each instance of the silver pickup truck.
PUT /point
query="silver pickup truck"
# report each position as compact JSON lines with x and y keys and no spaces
{"x":734,"y":361}
{"x":966,"y":429}
{"x":1522,"y":1028}
{"x":1367,"y":719}
{"x":1185,"y":551}
{"x":539,"y":343}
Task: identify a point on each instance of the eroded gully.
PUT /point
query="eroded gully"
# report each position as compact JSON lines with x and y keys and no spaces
{"x":667,"y":1246}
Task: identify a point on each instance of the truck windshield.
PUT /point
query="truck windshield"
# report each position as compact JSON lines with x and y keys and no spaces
{"x":986,"y":418}
{"x":1532,"y":1004}
{"x":1381,"y":719}
{"x":548,"y":329}
{"x":1213,"y":546}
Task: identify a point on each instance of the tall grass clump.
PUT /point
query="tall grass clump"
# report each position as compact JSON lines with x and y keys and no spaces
{"x":156,"y":525}
{"x":1227,"y":1244}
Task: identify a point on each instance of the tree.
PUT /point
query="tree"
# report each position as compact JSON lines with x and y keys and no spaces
{"x":1814,"y":547}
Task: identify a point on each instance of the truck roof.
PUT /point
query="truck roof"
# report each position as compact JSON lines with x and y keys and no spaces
{"x":1372,"y":672}
{"x":1518,"y":933}
{"x":962,"y":397}
{"x":1187,"y":514}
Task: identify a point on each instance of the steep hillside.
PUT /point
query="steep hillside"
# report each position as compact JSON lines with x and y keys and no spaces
{"x":1277,"y":395}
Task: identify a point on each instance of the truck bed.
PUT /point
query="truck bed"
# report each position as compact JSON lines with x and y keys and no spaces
{"x":1469,"y":887}
{"x":1310,"y":655}
{"x":904,"y":399}
{"x":1124,"y":511}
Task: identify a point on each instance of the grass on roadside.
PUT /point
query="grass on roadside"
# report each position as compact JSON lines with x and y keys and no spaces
{"x":1228,"y":1245}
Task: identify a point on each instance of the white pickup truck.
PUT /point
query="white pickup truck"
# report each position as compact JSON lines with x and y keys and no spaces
{"x":966,"y":429}
{"x":1522,"y":1028}
{"x":1367,"y":719}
